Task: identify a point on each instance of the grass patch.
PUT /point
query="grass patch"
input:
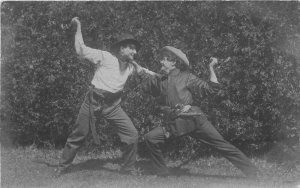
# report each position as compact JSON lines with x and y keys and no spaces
{"x":19,"y":168}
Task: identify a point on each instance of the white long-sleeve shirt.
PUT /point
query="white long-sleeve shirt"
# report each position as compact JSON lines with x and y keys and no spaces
{"x":108,"y":75}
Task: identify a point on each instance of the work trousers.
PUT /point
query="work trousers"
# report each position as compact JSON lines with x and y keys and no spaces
{"x":115,"y":116}
{"x":206,"y":133}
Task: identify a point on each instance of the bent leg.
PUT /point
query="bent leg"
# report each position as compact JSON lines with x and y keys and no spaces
{"x":78,"y":135}
{"x":153,"y":140}
{"x":127,"y":133}
{"x":207,"y":133}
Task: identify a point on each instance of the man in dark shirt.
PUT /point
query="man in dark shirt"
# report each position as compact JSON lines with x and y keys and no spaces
{"x":176,"y":92}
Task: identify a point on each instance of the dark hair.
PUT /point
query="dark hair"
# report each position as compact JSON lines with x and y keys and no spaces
{"x":171,"y":57}
{"x":117,"y":49}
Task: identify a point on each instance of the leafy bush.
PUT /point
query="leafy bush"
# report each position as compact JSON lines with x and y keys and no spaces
{"x":43,"y":82}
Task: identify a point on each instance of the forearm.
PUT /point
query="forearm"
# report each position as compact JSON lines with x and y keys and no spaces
{"x":213,"y":77}
{"x":204,"y":87}
{"x":93,"y":55}
{"x":79,"y":40}
{"x":144,"y":70}
{"x":141,"y":70}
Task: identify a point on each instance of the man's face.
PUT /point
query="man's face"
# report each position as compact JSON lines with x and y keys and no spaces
{"x":128,"y":52}
{"x":166,"y":65}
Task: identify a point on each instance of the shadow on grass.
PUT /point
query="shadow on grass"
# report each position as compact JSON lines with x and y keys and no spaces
{"x":147,"y":168}
{"x":216,"y":176}
{"x":95,"y":164}
{"x":145,"y":165}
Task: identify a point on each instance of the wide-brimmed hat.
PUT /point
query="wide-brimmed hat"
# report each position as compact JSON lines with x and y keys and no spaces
{"x":178,"y":53}
{"x":125,"y":38}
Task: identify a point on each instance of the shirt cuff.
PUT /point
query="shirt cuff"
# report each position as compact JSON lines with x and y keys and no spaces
{"x":214,"y":84}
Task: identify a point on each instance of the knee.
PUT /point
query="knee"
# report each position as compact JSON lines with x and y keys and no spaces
{"x":130,"y":138}
{"x":130,"y":131}
{"x":78,"y":135}
{"x":148,"y":138}
{"x":76,"y":138}
{"x":84,"y":133}
{"x":134,"y":135}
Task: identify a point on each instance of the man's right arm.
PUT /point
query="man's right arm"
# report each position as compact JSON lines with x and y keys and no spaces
{"x":141,"y":70}
{"x":206,"y":88}
{"x":93,"y":55}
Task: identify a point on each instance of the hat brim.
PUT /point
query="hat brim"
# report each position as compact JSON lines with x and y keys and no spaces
{"x":178,"y":53}
{"x":115,"y":46}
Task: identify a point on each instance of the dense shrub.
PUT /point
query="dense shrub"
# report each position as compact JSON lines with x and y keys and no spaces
{"x":43,"y":82}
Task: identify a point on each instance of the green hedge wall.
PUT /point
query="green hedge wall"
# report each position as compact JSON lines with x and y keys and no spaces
{"x":43,"y":82}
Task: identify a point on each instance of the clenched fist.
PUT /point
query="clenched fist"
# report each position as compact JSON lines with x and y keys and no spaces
{"x":213,"y":62}
{"x":76,"y":21}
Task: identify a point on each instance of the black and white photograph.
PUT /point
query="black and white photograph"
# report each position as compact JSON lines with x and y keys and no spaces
{"x":143,"y":94}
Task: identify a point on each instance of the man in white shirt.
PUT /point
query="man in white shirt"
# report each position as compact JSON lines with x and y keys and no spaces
{"x":112,"y":72}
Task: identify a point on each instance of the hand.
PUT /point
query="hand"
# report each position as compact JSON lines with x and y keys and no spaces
{"x":158,"y":75}
{"x":182,"y":108}
{"x":75,"y":20}
{"x":213,"y":62}
{"x":136,"y":65}
{"x":185,"y":108}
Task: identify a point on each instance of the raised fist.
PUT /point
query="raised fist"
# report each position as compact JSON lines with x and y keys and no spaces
{"x":75,"y":20}
{"x":213,"y":62}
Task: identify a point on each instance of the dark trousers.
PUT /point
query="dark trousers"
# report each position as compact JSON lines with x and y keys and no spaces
{"x":115,"y":116}
{"x":206,"y":133}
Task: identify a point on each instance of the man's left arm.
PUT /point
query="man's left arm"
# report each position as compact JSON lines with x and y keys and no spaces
{"x":141,"y":70}
{"x":213,"y":77}
{"x":206,"y":88}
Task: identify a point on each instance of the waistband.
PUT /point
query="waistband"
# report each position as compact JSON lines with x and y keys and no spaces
{"x":106,"y":95}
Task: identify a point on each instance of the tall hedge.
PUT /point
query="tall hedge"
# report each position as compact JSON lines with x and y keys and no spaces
{"x":43,"y":82}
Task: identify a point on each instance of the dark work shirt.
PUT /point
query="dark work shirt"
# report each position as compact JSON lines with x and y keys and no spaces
{"x":176,"y":88}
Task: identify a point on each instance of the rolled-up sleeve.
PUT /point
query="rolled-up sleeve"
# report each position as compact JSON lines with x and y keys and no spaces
{"x":93,"y":55}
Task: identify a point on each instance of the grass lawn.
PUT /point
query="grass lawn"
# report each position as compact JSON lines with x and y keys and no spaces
{"x":22,"y":167}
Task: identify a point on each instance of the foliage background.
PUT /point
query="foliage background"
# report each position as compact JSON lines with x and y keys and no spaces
{"x":43,"y":82}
